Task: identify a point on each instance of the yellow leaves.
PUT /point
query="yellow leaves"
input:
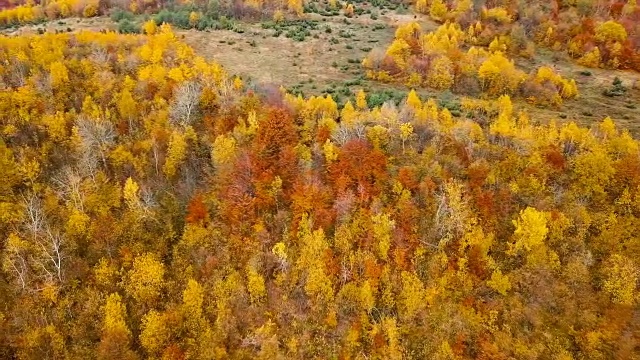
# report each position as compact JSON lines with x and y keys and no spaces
{"x":192,"y":300}
{"x":414,"y":80}
{"x":278,"y":16}
{"x":78,"y":223}
{"x":237,"y":83}
{"x":246,"y":128}
{"x":224,"y":149}
{"x":382,"y":231}
{"x":592,"y":172}
{"x":621,"y":279}
{"x":413,"y":100}
{"x":499,"y":75}
{"x":21,"y":14}
{"x":608,"y":127}
{"x":126,"y":104}
{"x":146,"y":279}
{"x":630,"y":7}
{"x":438,"y":10}
{"x":130,"y":193}
{"x":50,"y":293}
{"x":154,"y":332}
{"x":59,"y":74}
{"x":150,"y":27}
{"x":330,"y":151}
{"x":194,"y":18}
{"x":499,"y":282}
{"x":504,"y":125}
{"x":90,"y":9}
{"x":30,"y":170}
{"x":317,"y":284}
{"x":611,"y":31}
{"x":463,"y":6}
{"x":175,"y":154}
{"x":569,"y":89}
{"x":154,"y":72}
{"x":444,"y":40}
{"x":114,"y":317}
{"x":378,"y":135}
{"x":176,"y":75}
{"x":440,"y":75}
{"x":422,"y":6}
{"x":367,"y":296}
{"x":531,"y":230}
{"x":348,"y":114}
{"x":591,"y":59}
{"x":399,"y":51}
{"x":408,"y":31}
{"x":295,"y":6}
{"x":412,"y":295}
{"x":105,"y":272}
{"x":280,"y":250}
{"x":406,"y":130}
{"x":393,"y":350}
{"x":498,"y":14}
{"x":499,"y":44}
{"x":361,"y":100}
{"x":255,"y":285}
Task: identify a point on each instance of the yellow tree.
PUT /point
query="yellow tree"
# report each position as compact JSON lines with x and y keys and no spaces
{"x":611,"y":31}
{"x":175,"y":154}
{"x":499,"y":75}
{"x":382,"y":231}
{"x":413,"y":101}
{"x":422,"y":6}
{"x":440,"y":75}
{"x":531,"y":230}
{"x":621,"y":279}
{"x":438,"y":10}
{"x":406,"y":130}
{"x":146,"y":279}
{"x":317,"y":284}
{"x":116,"y":336}
{"x":224,"y":149}
{"x":412,"y":295}
{"x":399,"y":51}
{"x":150,"y":27}
{"x":154,"y":333}
{"x":361,"y":100}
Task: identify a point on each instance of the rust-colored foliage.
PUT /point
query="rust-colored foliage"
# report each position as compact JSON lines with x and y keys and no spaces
{"x":196,"y":210}
{"x":555,"y":158}
{"x":408,"y":178}
{"x":360,"y":168}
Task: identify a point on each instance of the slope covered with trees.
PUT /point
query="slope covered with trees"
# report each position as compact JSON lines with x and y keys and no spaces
{"x":153,"y":206}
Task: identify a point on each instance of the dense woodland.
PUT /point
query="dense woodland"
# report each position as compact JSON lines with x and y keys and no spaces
{"x":154,"y":206}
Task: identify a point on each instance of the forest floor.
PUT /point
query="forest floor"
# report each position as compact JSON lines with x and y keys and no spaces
{"x":327,"y":60}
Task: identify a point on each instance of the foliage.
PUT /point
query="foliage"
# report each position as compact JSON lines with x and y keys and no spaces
{"x":438,"y":60}
{"x":152,"y":206}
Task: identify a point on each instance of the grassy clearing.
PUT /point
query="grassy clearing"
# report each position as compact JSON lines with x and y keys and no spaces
{"x":322,"y":54}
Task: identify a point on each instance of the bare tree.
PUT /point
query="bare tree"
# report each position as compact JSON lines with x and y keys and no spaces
{"x":41,"y":253}
{"x":345,"y":133}
{"x":97,"y":137}
{"x":68,"y":186}
{"x":185,"y":103}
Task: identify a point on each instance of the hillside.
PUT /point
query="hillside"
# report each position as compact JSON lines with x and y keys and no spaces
{"x":319,"y":180}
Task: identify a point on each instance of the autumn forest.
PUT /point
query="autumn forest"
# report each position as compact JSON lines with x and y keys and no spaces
{"x":474,"y":193}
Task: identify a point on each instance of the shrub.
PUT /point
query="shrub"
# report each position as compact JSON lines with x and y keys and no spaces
{"x":618,"y":89}
{"x":126,"y":26}
{"x":118,"y":15}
